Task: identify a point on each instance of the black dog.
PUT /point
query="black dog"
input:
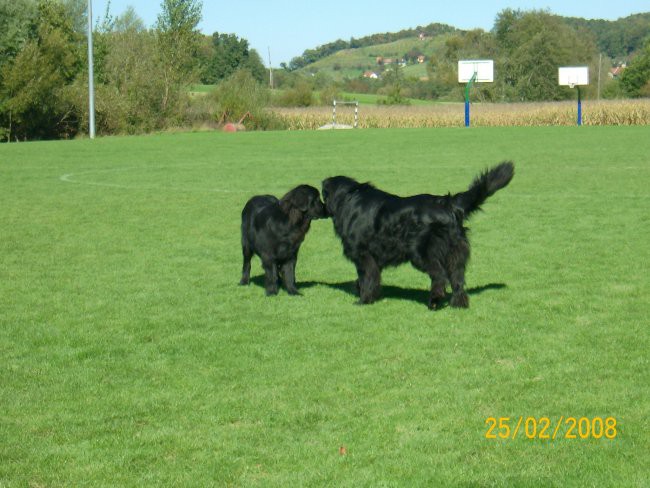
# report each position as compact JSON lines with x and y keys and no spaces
{"x":274,"y":229}
{"x":379,"y":230}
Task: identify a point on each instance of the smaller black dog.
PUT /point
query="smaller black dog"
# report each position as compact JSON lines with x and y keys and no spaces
{"x":274,"y":229}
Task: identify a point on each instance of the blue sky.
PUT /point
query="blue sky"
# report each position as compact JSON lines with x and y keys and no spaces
{"x":288,"y":27}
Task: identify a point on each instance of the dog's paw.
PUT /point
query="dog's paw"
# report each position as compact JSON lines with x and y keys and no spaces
{"x":460,"y":300}
{"x":294,"y":293}
{"x":244,"y":282}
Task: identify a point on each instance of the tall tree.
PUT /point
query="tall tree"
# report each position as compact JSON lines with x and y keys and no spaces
{"x":533,"y":45}
{"x":178,"y":42}
{"x":37,"y":82}
{"x":16,"y":18}
{"x":635,"y":80}
{"x":228,"y":54}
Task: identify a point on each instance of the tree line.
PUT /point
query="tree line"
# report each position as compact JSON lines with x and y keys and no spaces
{"x":143,"y":75}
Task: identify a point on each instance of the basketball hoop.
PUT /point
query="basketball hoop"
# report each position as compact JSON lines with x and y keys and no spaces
{"x":472,"y":71}
{"x":574,"y":77}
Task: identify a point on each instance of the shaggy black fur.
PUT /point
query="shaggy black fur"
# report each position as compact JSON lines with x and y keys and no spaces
{"x":274,"y":229}
{"x":379,"y":230}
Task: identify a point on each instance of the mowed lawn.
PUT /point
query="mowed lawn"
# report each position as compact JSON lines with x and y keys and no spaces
{"x":129,"y":356}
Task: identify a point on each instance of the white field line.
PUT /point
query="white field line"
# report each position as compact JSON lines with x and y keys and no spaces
{"x":71,"y":178}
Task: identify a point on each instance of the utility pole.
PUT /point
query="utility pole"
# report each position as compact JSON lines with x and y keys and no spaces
{"x":600,"y":63}
{"x":91,"y":74}
{"x":270,"y":70}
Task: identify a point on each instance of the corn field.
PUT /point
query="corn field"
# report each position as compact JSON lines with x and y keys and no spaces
{"x":611,"y":112}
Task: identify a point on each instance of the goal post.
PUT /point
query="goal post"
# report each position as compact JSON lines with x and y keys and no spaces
{"x":354,"y":103}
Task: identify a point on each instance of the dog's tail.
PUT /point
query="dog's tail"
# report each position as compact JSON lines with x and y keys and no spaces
{"x":484,"y":185}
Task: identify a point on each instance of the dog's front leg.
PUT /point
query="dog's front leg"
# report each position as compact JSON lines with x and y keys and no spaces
{"x":246,"y":268}
{"x":289,"y":276}
{"x":369,"y":280}
{"x":271,"y":277}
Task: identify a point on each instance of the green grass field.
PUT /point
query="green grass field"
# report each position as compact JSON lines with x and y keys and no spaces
{"x":130,"y":357}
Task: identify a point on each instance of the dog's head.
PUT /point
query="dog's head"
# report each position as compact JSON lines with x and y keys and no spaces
{"x":334,"y":190}
{"x":303,"y":203}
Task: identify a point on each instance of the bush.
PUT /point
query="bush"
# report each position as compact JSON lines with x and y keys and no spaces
{"x":241,"y":94}
{"x":329,"y":93}
{"x":301,"y":95}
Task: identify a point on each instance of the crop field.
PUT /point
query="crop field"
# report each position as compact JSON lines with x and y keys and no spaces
{"x":131,"y":357}
{"x":429,"y":115}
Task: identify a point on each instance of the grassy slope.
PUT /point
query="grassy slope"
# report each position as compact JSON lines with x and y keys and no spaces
{"x":130,"y":357}
{"x":353,"y":62}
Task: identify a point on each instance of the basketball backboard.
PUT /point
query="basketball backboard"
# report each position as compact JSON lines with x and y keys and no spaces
{"x":573,"y":75}
{"x":484,"y":69}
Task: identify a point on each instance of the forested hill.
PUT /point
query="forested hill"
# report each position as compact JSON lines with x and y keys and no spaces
{"x":615,"y":38}
{"x":312,"y":55}
{"x":618,"y":38}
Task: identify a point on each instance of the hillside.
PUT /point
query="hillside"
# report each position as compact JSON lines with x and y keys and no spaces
{"x":618,"y":40}
{"x":353,"y":62}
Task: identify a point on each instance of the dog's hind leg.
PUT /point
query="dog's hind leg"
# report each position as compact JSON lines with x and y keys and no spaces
{"x":246,"y":268}
{"x":456,"y":269}
{"x":289,"y":277}
{"x":270,"y":277}
{"x":438,"y":282}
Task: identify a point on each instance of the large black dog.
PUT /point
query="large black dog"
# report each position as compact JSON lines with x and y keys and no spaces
{"x":379,"y":230}
{"x":274,"y":229}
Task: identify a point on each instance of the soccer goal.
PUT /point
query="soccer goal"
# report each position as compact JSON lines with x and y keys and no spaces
{"x":354,"y":104}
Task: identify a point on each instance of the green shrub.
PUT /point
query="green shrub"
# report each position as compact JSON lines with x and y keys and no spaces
{"x":300,"y":95}
{"x":242,"y":94}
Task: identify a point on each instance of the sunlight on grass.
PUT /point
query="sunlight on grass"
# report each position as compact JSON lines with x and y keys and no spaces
{"x":131,"y":357}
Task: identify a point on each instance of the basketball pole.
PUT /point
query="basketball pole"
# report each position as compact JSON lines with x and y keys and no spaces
{"x":467,"y":87}
{"x":579,"y":106}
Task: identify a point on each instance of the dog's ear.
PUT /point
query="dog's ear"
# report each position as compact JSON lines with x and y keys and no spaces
{"x":296,"y":199}
{"x":295,"y":204}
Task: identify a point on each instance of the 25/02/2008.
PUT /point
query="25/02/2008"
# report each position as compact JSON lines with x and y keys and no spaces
{"x":544,"y":428}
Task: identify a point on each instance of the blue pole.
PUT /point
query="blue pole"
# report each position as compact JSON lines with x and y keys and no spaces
{"x":467,"y":87}
{"x":579,"y":108}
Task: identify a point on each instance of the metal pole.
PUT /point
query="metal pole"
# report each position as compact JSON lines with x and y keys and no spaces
{"x":600,"y":62}
{"x":469,"y":84}
{"x":334,"y":113}
{"x":91,"y":74}
{"x":270,"y":70}
{"x":579,"y":107}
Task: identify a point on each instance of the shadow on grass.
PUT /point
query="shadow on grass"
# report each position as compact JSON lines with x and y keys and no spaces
{"x":418,"y":295}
